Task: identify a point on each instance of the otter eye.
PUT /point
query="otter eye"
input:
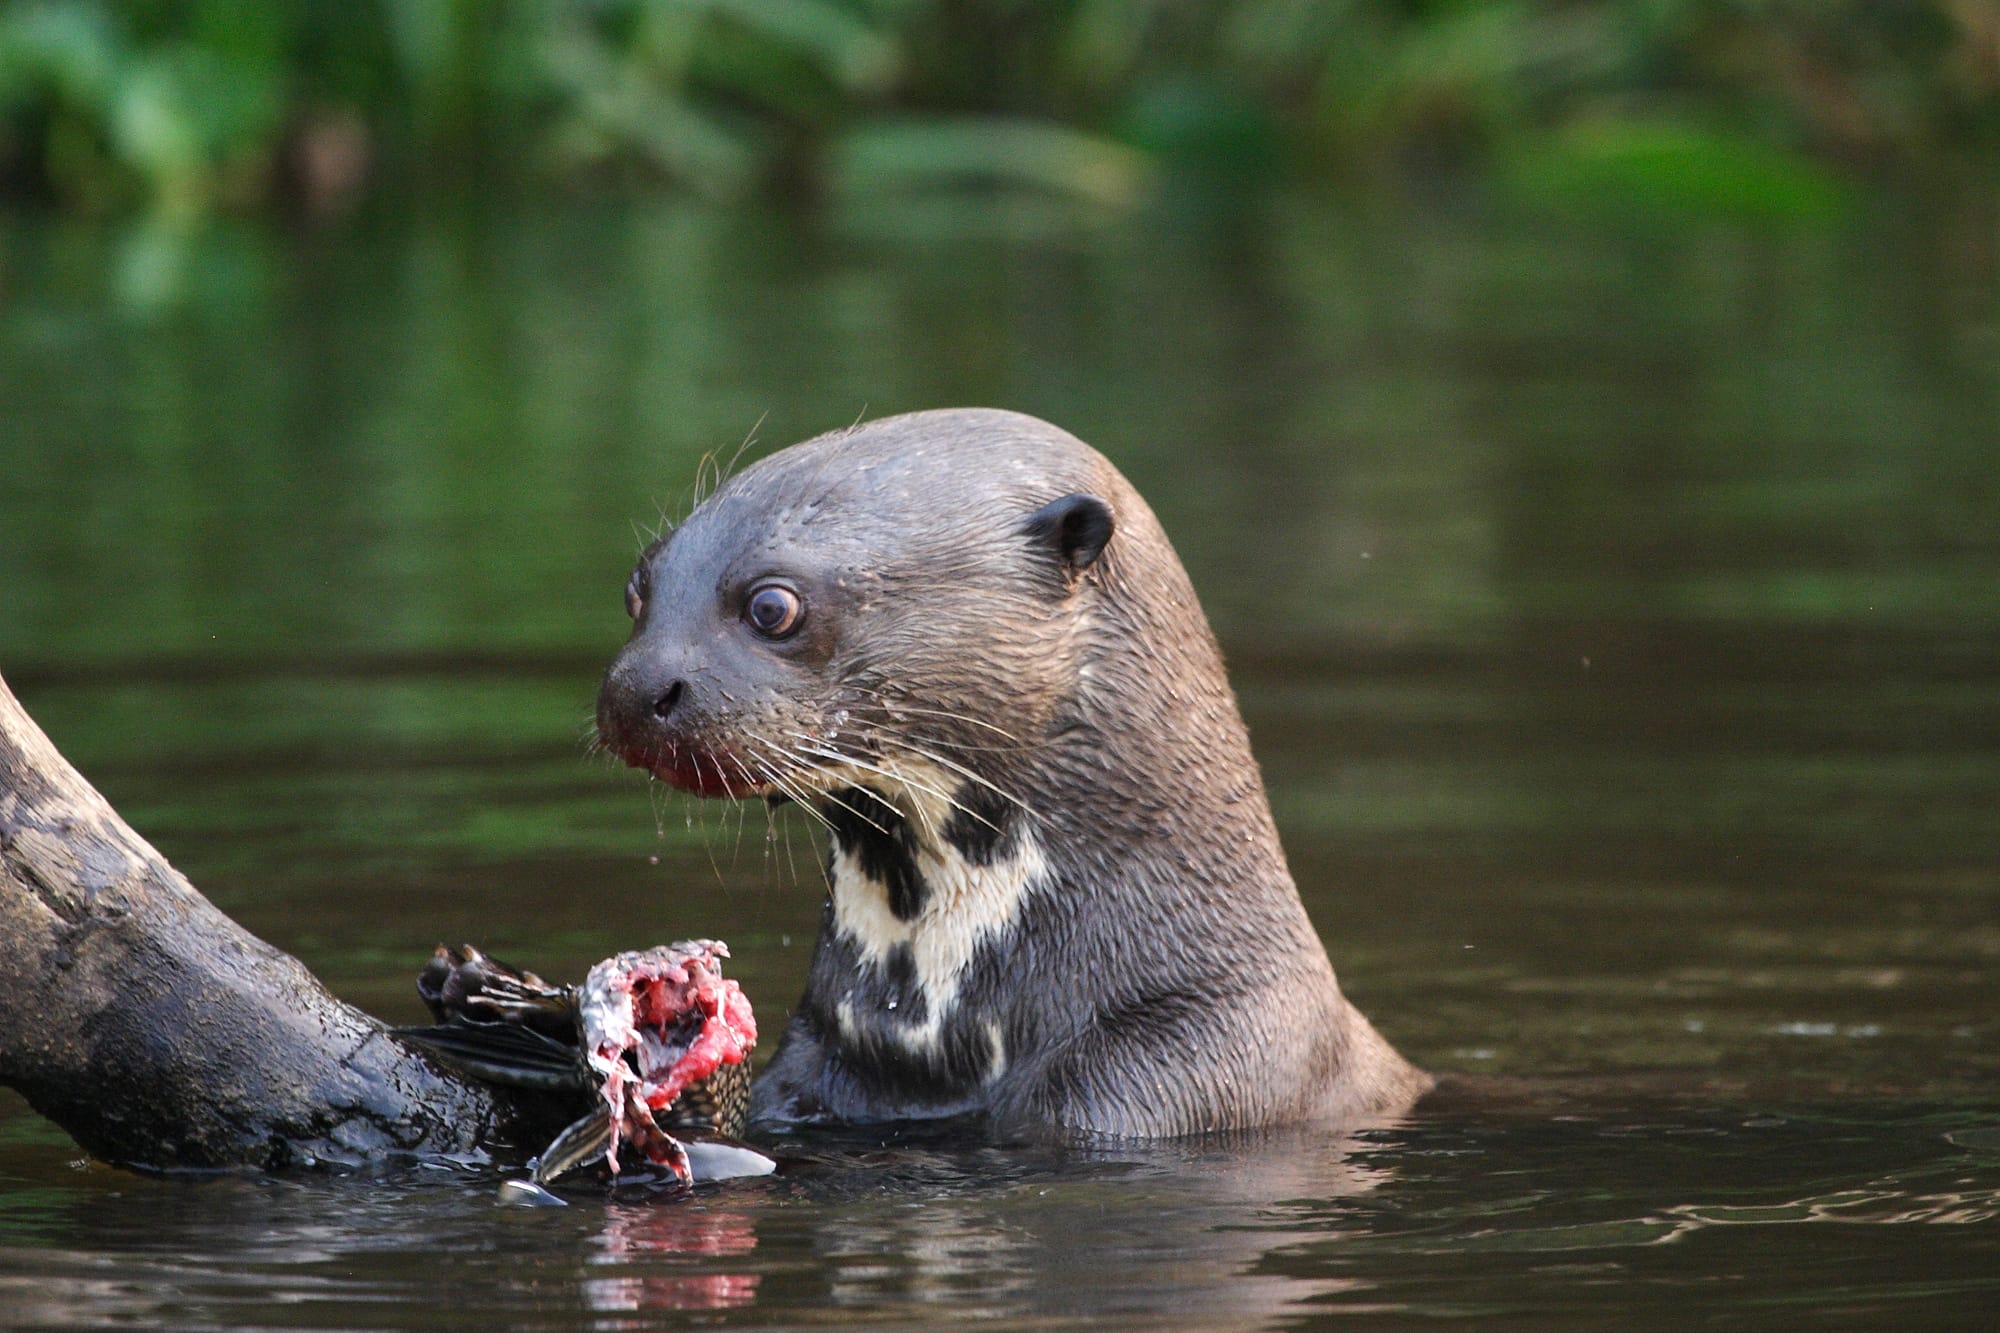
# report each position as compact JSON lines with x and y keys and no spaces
{"x":774,"y":610}
{"x":635,"y":593}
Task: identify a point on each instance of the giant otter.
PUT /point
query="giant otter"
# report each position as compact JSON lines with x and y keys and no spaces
{"x":1057,"y":898}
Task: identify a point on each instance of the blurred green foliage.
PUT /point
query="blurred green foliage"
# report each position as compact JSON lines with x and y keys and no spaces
{"x":189,"y":106}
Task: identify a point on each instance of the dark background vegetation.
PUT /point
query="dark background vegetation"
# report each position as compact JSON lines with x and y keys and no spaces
{"x":193,"y":106}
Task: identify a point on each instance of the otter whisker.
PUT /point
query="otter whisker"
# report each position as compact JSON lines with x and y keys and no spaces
{"x":903,"y":743}
{"x":736,"y":853}
{"x":728,"y":469}
{"x":829,"y":796}
{"x":776,"y":823}
{"x":751,"y":782}
{"x":923,"y":815}
{"x":886,"y":727}
{"x":909,"y":783}
{"x":918,"y":752}
{"x":824,"y":772}
{"x":909,"y":795}
{"x":799,"y":795}
{"x":823,"y":793}
{"x":896,"y":706}
{"x":708,"y":464}
{"x":749,"y":778}
{"x":787,"y":786}
{"x":800,"y":798}
{"x":875,"y":700}
{"x":661,"y":530}
{"x":706,"y":845}
{"x":655,"y":797}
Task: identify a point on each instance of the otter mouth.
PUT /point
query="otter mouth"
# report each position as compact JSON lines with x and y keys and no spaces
{"x":704,"y":774}
{"x":699,"y":770}
{"x":726,"y":770}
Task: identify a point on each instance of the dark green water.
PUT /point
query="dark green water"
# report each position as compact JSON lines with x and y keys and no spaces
{"x":1616,"y":606}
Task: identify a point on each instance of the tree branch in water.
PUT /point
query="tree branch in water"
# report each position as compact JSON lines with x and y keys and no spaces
{"x":161,"y":1034}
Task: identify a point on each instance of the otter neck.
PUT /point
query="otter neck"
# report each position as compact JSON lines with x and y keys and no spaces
{"x":940,"y":887}
{"x":925,"y":884}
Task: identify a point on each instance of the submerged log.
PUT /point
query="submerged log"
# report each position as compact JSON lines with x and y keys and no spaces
{"x":161,"y":1034}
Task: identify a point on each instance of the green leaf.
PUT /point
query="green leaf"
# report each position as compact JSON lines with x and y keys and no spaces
{"x":928,"y":153}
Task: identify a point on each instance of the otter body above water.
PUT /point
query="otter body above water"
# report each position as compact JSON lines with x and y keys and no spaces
{"x":1057,"y":898}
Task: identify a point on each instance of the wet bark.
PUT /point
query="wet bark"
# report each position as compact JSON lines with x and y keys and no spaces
{"x":160,"y":1033}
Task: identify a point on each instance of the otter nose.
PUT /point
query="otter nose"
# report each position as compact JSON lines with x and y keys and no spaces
{"x":640,"y":703}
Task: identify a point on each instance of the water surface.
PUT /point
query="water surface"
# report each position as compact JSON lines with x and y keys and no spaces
{"x":1612,"y":602}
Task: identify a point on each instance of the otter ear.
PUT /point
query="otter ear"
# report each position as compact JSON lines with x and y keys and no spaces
{"x":1074,"y":529}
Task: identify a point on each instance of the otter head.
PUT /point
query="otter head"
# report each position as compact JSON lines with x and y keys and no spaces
{"x":882,"y":609}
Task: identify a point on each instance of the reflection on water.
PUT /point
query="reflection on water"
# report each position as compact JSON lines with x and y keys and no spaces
{"x":1611,"y":605}
{"x":636,"y":1234}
